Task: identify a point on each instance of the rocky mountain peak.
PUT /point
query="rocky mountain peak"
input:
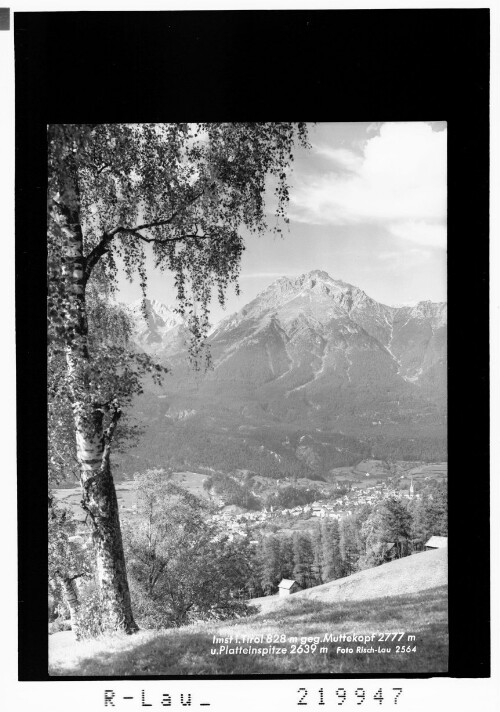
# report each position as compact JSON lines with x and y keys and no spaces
{"x":315,"y":279}
{"x":315,"y":283}
{"x":152,"y":332}
{"x":157,"y":313}
{"x":313,"y":294}
{"x":428,"y":309}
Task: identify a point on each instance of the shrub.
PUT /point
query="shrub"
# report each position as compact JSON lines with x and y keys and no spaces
{"x":59,"y":624}
{"x":181,"y":566}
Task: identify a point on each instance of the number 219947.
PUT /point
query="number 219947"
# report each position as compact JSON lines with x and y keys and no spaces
{"x":341,"y":695}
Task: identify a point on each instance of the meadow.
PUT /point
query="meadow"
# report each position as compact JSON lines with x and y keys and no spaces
{"x":191,"y":650}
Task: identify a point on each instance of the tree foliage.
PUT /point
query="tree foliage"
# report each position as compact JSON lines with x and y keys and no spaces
{"x":186,"y":192}
{"x":70,"y":569}
{"x":68,"y":557}
{"x":303,"y":558}
{"x":430,"y":514}
{"x":114,"y":375}
{"x":389,"y":523}
{"x":229,"y":491}
{"x":181,"y":566}
{"x":271,"y":573}
{"x":289,"y":497}
{"x":331,"y":561}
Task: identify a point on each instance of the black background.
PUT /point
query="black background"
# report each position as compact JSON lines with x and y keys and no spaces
{"x":364,"y":65}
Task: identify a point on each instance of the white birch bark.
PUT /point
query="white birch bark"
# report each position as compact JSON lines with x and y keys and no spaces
{"x":92,"y":440}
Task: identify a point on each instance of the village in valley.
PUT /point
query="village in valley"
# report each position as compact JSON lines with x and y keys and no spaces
{"x":348,"y":491}
{"x":333,"y":507}
{"x":342,"y":499}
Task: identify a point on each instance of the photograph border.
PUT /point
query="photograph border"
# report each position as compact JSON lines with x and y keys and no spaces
{"x":260,"y":65}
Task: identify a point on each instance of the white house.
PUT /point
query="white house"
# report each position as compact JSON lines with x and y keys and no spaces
{"x":437,"y":542}
{"x":288,"y":586}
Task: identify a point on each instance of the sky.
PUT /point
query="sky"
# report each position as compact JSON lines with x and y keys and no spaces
{"x":367,"y":205}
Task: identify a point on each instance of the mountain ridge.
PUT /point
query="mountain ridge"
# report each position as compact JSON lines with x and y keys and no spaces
{"x":155,"y":306}
{"x":309,"y":356}
{"x":316,"y":300}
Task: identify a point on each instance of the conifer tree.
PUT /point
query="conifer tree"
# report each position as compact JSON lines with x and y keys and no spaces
{"x":349,"y":544}
{"x":332,"y":562}
{"x":302,"y":559}
{"x":271,"y":569}
{"x":430,"y":515}
{"x":286,"y":557}
{"x":396,"y":524}
{"x":318,"y":562}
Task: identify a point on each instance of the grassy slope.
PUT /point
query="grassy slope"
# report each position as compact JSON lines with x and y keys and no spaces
{"x":188,"y":650}
{"x":403,"y":576}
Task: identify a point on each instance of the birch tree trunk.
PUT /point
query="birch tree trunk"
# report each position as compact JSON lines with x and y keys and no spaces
{"x":71,"y":595}
{"x":92,"y":439}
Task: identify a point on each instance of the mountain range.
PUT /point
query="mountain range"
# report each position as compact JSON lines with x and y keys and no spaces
{"x":312,"y":372}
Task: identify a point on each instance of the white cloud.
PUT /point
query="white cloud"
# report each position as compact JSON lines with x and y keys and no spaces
{"x":400,"y":182}
{"x":422,"y":233}
{"x":374,"y":127}
{"x":346,"y":159}
{"x":405,"y":258}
